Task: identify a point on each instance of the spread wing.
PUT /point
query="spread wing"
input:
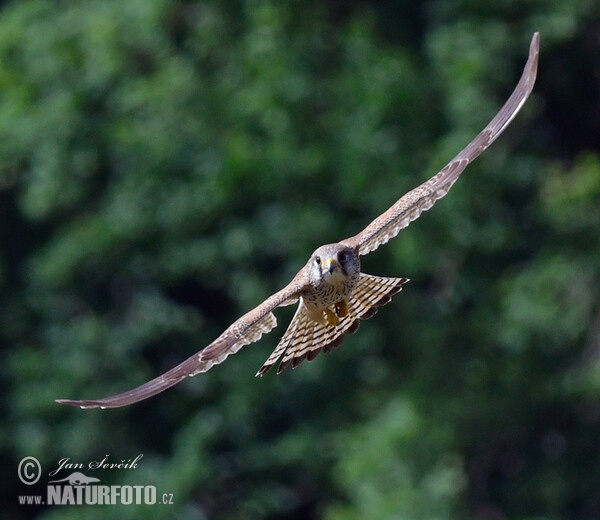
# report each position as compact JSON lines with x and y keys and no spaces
{"x":247,"y":329}
{"x":410,"y":206}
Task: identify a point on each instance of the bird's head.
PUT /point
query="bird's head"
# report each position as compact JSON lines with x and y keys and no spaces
{"x":332,"y":264}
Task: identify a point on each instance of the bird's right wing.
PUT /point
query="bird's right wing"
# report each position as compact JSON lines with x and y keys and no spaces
{"x":411,"y":205}
{"x":247,"y":329}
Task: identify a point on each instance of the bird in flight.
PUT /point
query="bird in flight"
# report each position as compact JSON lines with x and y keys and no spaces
{"x":334,"y":294}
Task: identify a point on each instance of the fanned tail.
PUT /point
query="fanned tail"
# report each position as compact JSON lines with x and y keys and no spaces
{"x":305,"y":338}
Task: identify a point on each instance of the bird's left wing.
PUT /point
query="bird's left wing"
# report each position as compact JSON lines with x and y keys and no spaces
{"x":247,"y":329}
{"x":411,"y":205}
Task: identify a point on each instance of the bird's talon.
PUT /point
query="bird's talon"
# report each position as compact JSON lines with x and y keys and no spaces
{"x":332,"y":319}
{"x":341,"y":308}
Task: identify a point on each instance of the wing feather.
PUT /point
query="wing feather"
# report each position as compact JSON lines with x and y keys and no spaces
{"x":410,"y":206}
{"x":247,"y":329}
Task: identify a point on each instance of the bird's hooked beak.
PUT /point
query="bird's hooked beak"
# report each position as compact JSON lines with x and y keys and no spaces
{"x":329,"y":265}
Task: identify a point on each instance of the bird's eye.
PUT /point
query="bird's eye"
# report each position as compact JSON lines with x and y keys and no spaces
{"x":342,"y":257}
{"x":318,"y":260}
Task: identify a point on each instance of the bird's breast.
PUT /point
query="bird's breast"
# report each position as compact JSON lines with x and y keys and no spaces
{"x":328,"y":294}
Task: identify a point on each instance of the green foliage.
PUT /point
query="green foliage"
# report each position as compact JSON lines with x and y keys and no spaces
{"x":164,"y":166}
{"x":393,"y":468}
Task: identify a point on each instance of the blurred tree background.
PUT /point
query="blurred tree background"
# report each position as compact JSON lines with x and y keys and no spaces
{"x":164,"y":166}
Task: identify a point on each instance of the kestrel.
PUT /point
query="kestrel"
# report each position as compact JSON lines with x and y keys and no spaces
{"x":334,"y":294}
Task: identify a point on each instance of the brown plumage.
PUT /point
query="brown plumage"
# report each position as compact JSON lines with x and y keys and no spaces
{"x":305,"y":337}
{"x":334,"y":295}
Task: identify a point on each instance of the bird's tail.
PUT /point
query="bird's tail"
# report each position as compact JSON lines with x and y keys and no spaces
{"x":305,"y":338}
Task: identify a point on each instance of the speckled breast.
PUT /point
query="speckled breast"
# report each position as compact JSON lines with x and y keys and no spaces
{"x":329,"y":294}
